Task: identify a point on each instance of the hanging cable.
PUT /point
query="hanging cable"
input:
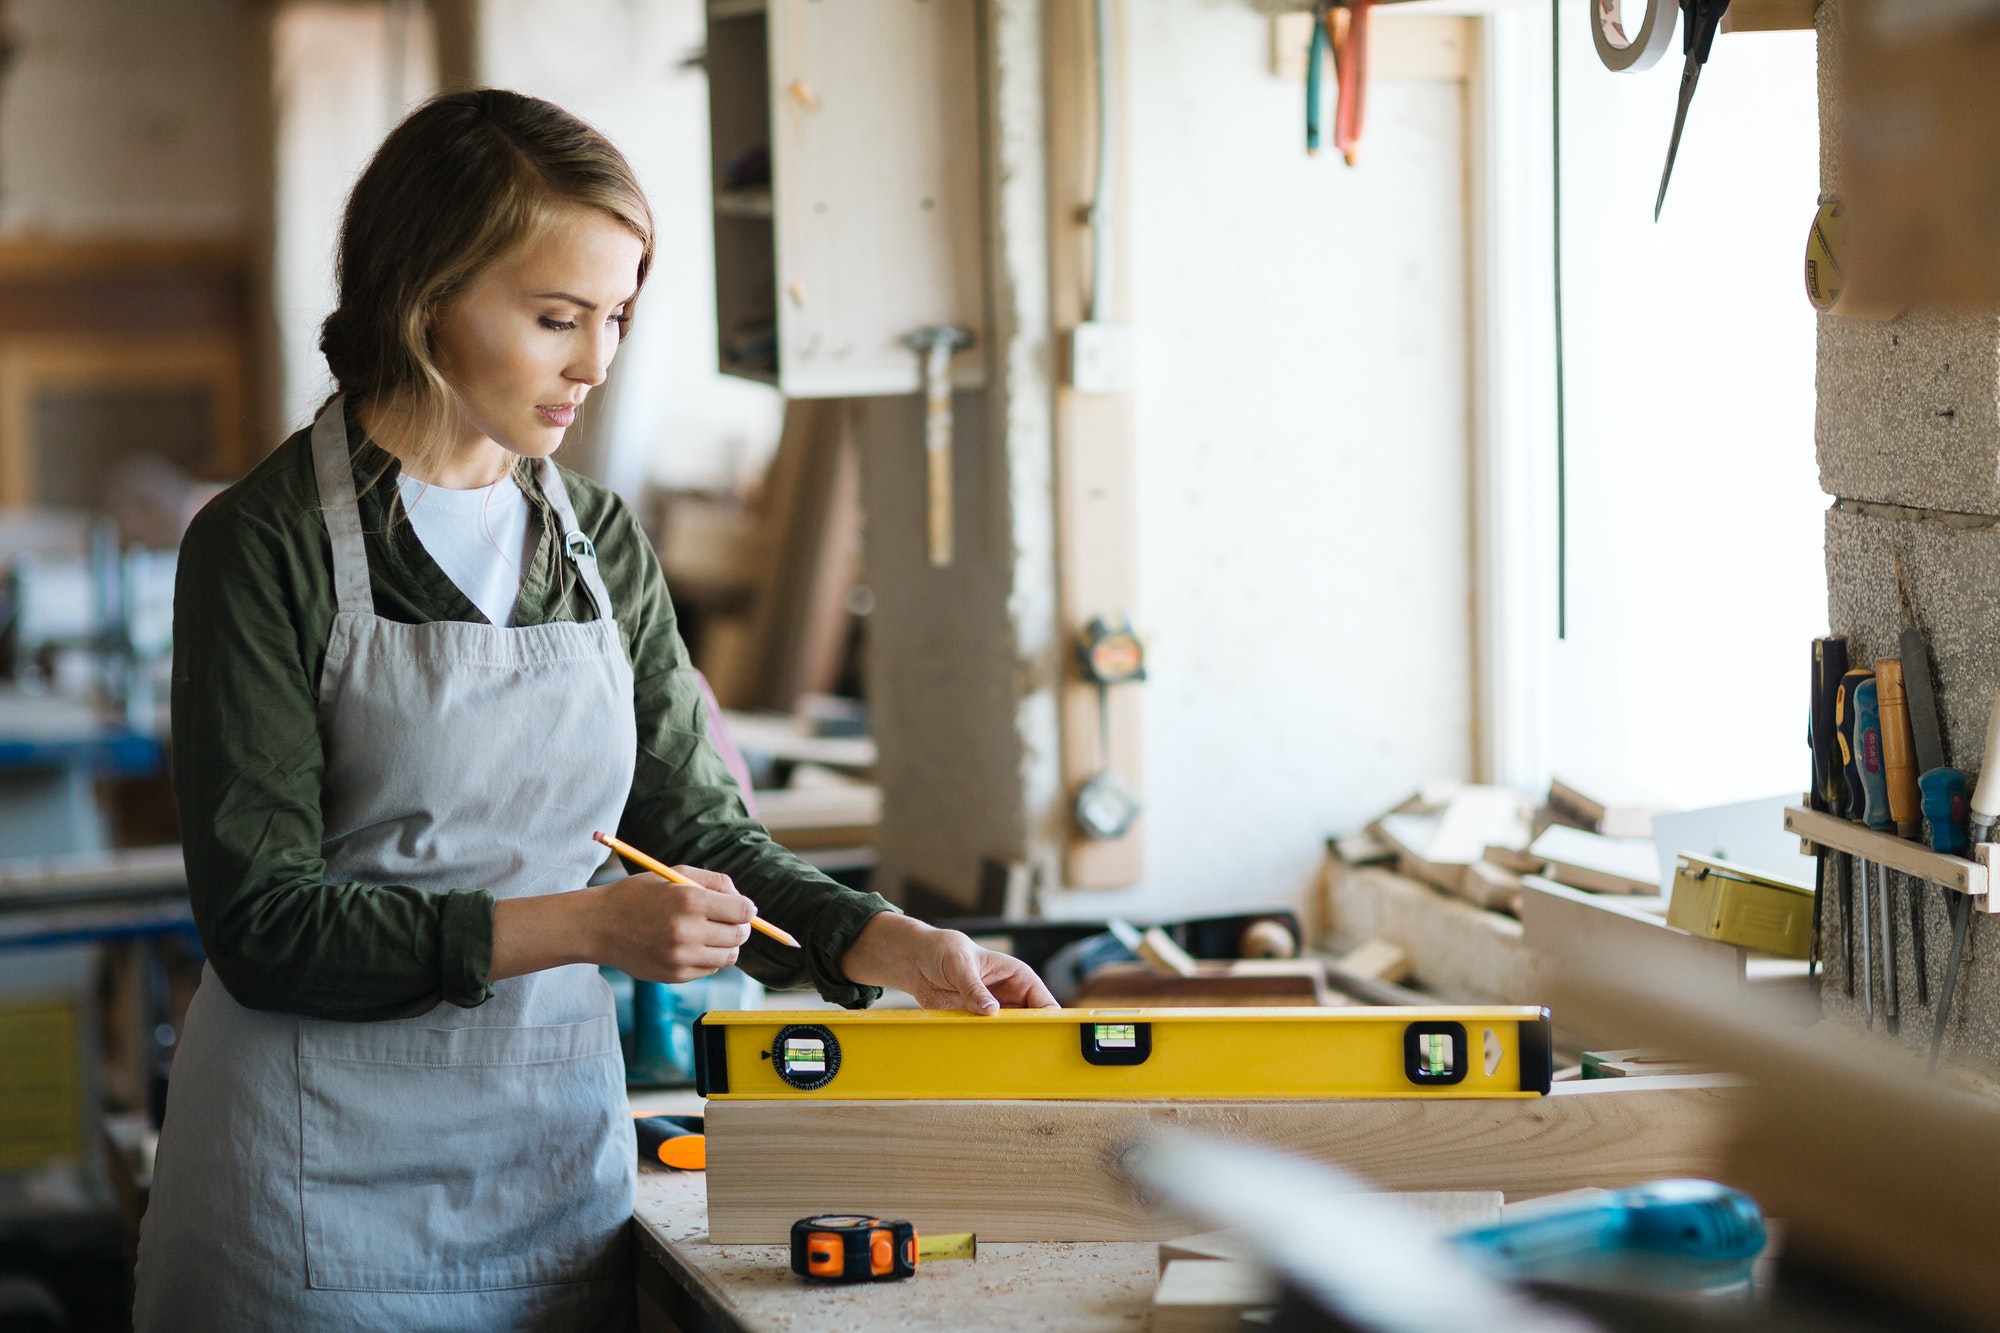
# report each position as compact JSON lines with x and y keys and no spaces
{"x":1562,"y":479}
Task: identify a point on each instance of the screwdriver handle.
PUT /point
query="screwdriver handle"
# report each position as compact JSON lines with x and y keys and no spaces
{"x":1843,"y":719}
{"x":1899,"y":748}
{"x":1944,"y":809}
{"x":1868,"y":737}
{"x":1829,"y":664}
{"x":1986,"y":796}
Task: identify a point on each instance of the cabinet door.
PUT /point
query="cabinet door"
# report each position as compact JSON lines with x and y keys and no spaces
{"x":875,"y":189}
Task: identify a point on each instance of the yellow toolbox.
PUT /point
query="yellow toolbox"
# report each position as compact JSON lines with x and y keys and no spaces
{"x":1721,"y":901}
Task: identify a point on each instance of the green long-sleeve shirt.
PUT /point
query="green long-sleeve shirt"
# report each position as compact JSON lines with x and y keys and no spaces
{"x":253,"y":608}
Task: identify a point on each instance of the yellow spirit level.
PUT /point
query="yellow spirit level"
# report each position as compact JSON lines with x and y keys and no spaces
{"x":1215,"y":1054}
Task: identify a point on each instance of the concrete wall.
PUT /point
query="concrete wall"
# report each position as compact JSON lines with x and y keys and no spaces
{"x":1303,"y":460}
{"x":1909,"y":442}
{"x":126,"y":121}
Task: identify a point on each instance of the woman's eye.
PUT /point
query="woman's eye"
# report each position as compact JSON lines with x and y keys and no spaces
{"x":558,"y":325}
{"x":619,"y":322}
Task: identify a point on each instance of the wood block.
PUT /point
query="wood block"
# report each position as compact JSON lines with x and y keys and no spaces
{"x":1492,"y":887}
{"x":1463,"y":953}
{"x":1377,"y":960}
{"x":1602,"y":865}
{"x":1158,"y":948}
{"x":1048,"y":1170}
{"x":1446,"y":1211}
{"x":1585,"y":930}
{"x":1210,"y":1295}
{"x":1517,"y":860}
{"x":1207,"y":1245}
{"x":1247,"y":983}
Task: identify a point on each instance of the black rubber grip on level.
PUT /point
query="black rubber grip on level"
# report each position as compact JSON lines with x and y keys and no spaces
{"x":1538,"y":1055}
{"x":711,"y":1059}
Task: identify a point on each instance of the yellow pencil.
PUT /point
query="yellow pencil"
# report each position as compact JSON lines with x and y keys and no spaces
{"x":631,"y":853}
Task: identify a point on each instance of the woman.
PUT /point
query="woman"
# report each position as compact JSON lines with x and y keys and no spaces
{"x":416,"y":666}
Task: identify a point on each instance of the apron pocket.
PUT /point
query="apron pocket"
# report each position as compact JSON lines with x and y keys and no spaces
{"x":462,"y":1159}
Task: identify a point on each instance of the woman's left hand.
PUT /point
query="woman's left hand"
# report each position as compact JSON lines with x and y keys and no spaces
{"x":944,"y":969}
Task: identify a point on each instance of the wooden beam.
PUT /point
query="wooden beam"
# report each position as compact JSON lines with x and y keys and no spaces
{"x":1096,"y":434}
{"x":1048,"y":1170}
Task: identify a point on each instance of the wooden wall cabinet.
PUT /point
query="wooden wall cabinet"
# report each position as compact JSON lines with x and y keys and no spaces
{"x":846,"y":160}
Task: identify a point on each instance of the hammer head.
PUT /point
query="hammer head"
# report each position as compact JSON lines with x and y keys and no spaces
{"x":949,"y":336}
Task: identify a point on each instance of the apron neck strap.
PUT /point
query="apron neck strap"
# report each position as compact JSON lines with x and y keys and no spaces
{"x":340,"y":507}
{"x":576,"y":546}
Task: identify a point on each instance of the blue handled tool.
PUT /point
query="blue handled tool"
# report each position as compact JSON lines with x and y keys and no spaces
{"x":1670,"y":1235}
{"x":1944,"y":809}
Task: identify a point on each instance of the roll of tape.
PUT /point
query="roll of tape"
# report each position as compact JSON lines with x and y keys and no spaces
{"x":1824,"y":277}
{"x":1643,"y":51}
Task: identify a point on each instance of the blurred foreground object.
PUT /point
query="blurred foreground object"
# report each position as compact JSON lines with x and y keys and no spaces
{"x":1916,"y":134}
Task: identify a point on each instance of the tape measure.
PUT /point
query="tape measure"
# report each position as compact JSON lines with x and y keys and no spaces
{"x":1196,"y":1054}
{"x":852,"y":1247}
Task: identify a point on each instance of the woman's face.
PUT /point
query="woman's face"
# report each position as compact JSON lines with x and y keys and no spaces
{"x":535,"y":332}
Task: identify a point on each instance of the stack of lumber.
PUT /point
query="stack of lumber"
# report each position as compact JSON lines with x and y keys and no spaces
{"x":1476,"y":842}
{"x":799,"y":565}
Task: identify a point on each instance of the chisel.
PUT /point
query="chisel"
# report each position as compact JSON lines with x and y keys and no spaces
{"x":1942,"y":788}
{"x":1899,"y":770}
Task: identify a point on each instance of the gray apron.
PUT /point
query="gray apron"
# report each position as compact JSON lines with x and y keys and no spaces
{"x":467,"y":1168}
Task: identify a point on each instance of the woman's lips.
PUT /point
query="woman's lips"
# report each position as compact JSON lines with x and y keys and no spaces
{"x":559,"y":415}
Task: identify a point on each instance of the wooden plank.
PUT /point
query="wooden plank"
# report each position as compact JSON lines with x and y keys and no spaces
{"x":1912,"y":858}
{"x":1202,"y":1295}
{"x":875,"y":192}
{"x":1047,"y":1170}
{"x":1575,"y":927}
{"x":1769,"y":15}
{"x":1096,"y":434}
{"x":1464,"y":954}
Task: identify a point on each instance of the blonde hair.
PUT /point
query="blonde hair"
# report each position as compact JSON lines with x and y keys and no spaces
{"x":464,"y":179}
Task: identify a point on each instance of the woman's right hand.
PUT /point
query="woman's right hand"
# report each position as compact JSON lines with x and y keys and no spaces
{"x":657,"y":930}
{"x":645,"y":926}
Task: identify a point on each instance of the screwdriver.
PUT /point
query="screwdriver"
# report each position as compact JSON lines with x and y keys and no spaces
{"x":1855,"y":806}
{"x":1829,"y":791}
{"x":1875,"y":814}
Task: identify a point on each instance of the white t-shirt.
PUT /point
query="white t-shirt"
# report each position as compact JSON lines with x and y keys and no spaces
{"x":479,"y":539}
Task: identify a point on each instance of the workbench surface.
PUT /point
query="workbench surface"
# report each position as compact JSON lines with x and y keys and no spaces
{"x":751,"y":1288}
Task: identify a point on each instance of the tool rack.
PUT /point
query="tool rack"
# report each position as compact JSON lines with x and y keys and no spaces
{"x":1960,"y":874}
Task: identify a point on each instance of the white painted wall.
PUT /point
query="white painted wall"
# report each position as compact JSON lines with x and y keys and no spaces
{"x":622,"y":67}
{"x":125,"y":121}
{"x":1303,"y":461}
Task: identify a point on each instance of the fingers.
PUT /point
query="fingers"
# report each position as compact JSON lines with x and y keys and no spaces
{"x":1017,"y":986}
{"x":962,"y":970}
{"x":708,"y":879}
{"x":716,"y":897}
